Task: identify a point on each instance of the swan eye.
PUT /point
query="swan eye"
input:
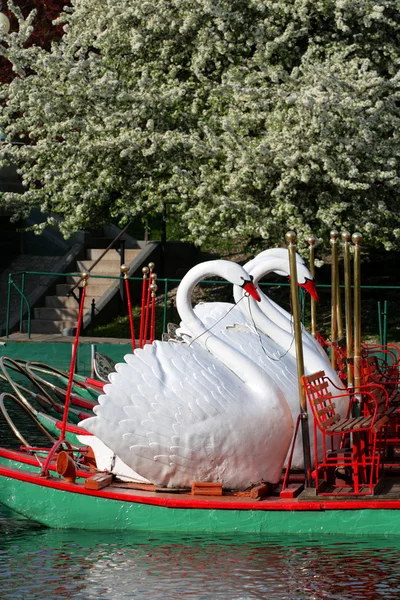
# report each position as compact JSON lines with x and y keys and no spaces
{"x":249,"y":280}
{"x":246,"y":280}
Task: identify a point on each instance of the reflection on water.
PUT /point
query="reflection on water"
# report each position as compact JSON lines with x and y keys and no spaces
{"x":41,"y":563}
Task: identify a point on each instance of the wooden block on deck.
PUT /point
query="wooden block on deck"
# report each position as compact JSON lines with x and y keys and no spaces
{"x":168,"y":490}
{"x":259,"y":491}
{"x":134,"y":485}
{"x":292,"y":490}
{"x":200,"y":488}
{"x":98,"y":481}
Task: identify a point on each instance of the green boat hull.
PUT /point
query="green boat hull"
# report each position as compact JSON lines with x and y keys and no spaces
{"x":50,"y":423}
{"x":62,"y":509}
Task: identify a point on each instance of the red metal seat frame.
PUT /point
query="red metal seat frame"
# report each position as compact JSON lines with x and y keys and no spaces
{"x":358,"y":450}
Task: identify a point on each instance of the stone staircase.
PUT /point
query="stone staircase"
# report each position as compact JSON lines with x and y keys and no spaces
{"x":60,"y":311}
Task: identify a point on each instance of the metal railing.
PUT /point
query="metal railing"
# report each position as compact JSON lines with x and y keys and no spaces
{"x":165,"y":286}
{"x":102,"y":255}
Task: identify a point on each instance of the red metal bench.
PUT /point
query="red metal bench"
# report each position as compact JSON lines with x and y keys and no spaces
{"x":352,"y":465}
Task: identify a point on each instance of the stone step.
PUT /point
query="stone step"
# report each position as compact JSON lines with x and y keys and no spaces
{"x":65,"y":302}
{"x":56,"y":314}
{"x":61,"y":310}
{"x":47,"y":326}
{"x":104,"y":267}
{"x":103,"y":280}
{"x":99,"y":241}
{"x":95,"y":253}
{"x":94,"y":291}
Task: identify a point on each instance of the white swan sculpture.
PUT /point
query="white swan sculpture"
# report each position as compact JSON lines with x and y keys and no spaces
{"x":275,"y":324}
{"x":260,"y":266}
{"x":268,"y":345}
{"x":178,"y":413}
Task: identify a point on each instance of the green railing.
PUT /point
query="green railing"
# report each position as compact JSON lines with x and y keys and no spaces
{"x":17,"y":282}
{"x":164,"y":286}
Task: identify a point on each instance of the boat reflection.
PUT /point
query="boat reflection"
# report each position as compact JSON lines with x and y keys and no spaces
{"x":36,"y":562}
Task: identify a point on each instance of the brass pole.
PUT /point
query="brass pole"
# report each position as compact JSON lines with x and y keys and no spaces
{"x":346,"y":237}
{"x":291,"y":241}
{"x":339,"y":315}
{"x":334,"y":295}
{"x":357,"y":239}
{"x":311,"y":242}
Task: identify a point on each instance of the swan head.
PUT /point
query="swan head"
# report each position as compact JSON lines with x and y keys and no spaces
{"x":310,"y":287}
{"x":276,"y":260}
{"x":281,"y":253}
{"x":250,"y":288}
{"x":306,"y":281}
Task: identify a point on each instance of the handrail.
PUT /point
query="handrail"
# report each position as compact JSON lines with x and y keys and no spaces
{"x":21,"y":308}
{"x":21,"y":293}
{"x":166,"y":281}
{"x":121,"y":233}
{"x":8,"y":303}
{"x":204,"y":281}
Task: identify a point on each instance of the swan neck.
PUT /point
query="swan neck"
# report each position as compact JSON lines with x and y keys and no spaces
{"x":233,"y":359}
{"x":184,"y":295}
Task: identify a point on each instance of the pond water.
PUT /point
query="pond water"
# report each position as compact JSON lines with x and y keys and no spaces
{"x":40,"y":563}
{"x":36,"y":562}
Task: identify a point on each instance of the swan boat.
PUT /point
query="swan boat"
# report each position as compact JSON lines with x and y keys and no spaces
{"x":263,"y":331}
{"x":55,"y":502}
{"x":244,"y":495}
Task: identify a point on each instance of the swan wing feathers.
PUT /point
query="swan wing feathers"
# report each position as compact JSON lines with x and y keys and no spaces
{"x":175,"y":416}
{"x":228,"y":323}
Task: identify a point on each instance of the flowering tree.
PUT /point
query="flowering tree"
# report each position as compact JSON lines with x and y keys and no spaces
{"x":252,"y":116}
{"x":43,"y":32}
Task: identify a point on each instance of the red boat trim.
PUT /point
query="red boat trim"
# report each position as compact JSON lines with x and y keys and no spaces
{"x":83,"y":416}
{"x":19,"y":457}
{"x":95,"y":383}
{"x":77,"y":401}
{"x":73,"y":429}
{"x":28,"y":459}
{"x":167,"y":501}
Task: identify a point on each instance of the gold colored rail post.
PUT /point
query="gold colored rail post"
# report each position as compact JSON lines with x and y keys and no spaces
{"x":125,"y":274}
{"x":311,"y":244}
{"x":291,"y":241}
{"x":339,"y":315}
{"x":346,"y":237}
{"x":334,"y":295}
{"x":357,"y":239}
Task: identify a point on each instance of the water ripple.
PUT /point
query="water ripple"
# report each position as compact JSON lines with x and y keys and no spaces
{"x":36,"y":562}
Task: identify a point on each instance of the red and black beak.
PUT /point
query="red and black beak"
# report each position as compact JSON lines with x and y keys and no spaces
{"x":251,"y":289}
{"x":311,"y":288}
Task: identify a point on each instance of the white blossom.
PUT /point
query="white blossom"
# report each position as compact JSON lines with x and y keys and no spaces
{"x":251,"y":116}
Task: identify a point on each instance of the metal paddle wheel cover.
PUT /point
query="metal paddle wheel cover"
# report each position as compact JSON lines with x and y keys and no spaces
{"x":103,"y":366}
